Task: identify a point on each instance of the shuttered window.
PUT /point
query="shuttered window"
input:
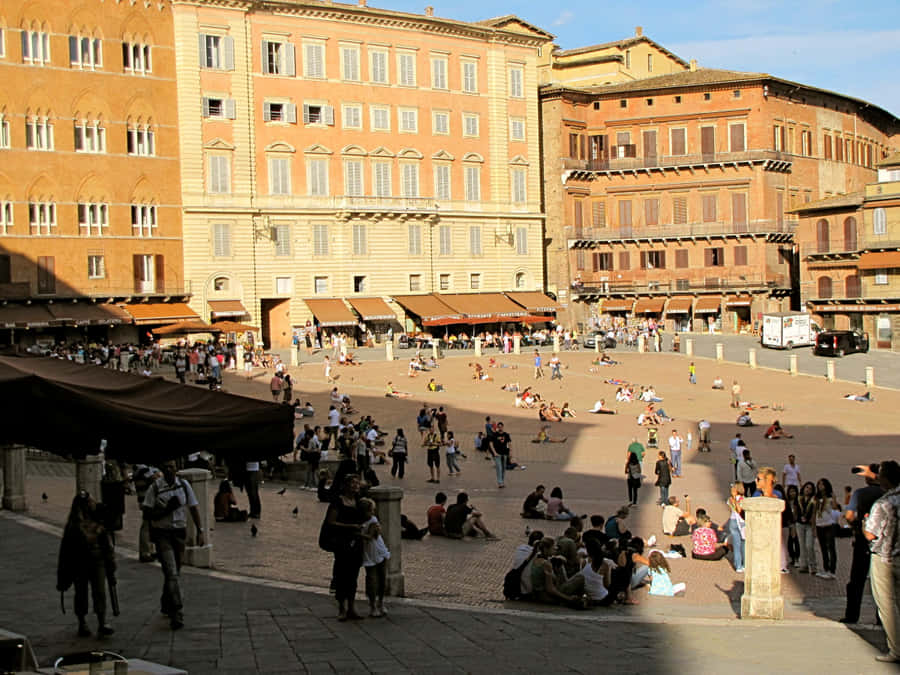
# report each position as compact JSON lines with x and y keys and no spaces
{"x":320,"y":239}
{"x":740,"y":255}
{"x":314,"y":61}
{"x":826,"y":144}
{"x":714,"y":257}
{"x":710,"y":209}
{"x":598,"y":214}
{"x":678,"y":144}
{"x":442,"y":181}
{"x":221,"y":240}
{"x":651,"y":212}
{"x":317,"y":177}
{"x":360,"y":245}
{"x":378,"y":71}
{"x":519,"y":193}
{"x":522,"y":240}
{"x":579,"y":259}
{"x":681,"y":258}
{"x":46,"y":274}
{"x":350,"y":63}
{"x":470,"y":77}
{"x":410,"y":174}
{"x":624,"y":260}
{"x":739,"y":208}
{"x":445,"y":240}
{"x":438,"y":73}
{"x":406,"y":67}
{"x":516,"y":89}
{"x":602,"y":262}
{"x":279,"y":176}
{"x":625,"y":212}
{"x":381,"y":177}
{"x":414,"y":234}
{"x":282,"y":235}
{"x":219,"y":174}
{"x":707,"y":140}
{"x":679,"y":210}
{"x":475,"y":240}
{"x":473,"y":183}
{"x":736,"y":138}
{"x":353,"y":178}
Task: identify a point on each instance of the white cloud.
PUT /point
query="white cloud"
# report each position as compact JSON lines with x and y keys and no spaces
{"x":565,"y":17}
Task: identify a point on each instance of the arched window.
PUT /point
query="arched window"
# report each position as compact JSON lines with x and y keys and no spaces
{"x":822,"y":236}
{"x":824,"y":287}
{"x":221,"y":284}
{"x":850,"y":234}
{"x":520,"y":279}
{"x":852,"y":287}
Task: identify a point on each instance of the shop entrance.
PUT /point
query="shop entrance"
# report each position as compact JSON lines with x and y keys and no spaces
{"x":883,"y":332}
{"x":276,"y":323}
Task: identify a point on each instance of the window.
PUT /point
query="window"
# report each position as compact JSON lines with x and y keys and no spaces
{"x":473,"y":183}
{"x":320,"y":285}
{"x":216,"y":52}
{"x":408,"y":120}
{"x":143,"y":220}
{"x":649,"y":63}
{"x":442,"y":181}
{"x":353,"y":178}
{"x":826,"y":144}
{"x":438,"y":73}
{"x":682,"y":259}
{"x":381,"y":179}
{"x":879,"y":221}
{"x":46,"y":274}
{"x":381,"y":118}
{"x":679,"y":210}
{"x":677,"y":142}
{"x":136,"y":58}
{"x":516,"y":88}
{"x":281,"y":235}
{"x":85,"y":52}
{"x":4,"y":133}
{"x":649,"y":101}
{"x":359,"y":239}
{"x":470,"y":77}
{"x":219,"y":108}
{"x":414,"y":234}
{"x":350,"y":64}
{"x":623,"y":103}
{"x":35,"y":47}
{"x":598,"y":213}
{"x":378,"y":67}
{"x":440,"y":123}
{"x":739,"y":210}
{"x":710,"y":208}
{"x":410,"y":175}
{"x":93,"y":219}
{"x":628,"y":58}
{"x":38,"y":133}
{"x":318,"y":114}
{"x":221,"y":240}
{"x":470,"y":125}
{"x":852,"y":287}
{"x":320,"y":239}
{"x":519,"y":185}
{"x":415,"y":282}
{"x":516,"y":129}
{"x":96,"y":267}
{"x":2,"y":42}
{"x":825,"y":286}
{"x":141,"y":140}
{"x":219,"y":174}
{"x":6,"y":217}
{"x":41,"y":217}
{"x":740,"y":255}
{"x":520,"y":279}
{"x":283,"y":285}
{"x":148,"y":272}
{"x":351,"y":116}
{"x":221,"y":284}
{"x":314,"y":61}
{"x":625,"y":212}
{"x":651,"y":212}
{"x":779,"y":137}
{"x":90,"y":137}
{"x":850,"y":234}
{"x":284,"y":112}
{"x":707,"y":96}
{"x":279,"y":176}
{"x":444,"y":281}
{"x":406,"y":69}
{"x":522,"y":241}
{"x":317,"y":177}
{"x":736,"y":138}
{"x":445,"y":240}
{"x":474,"y":281}
{"x":653,"y":260}
{"x":624,"y":260}
{"x":881,"y":278}
{"x":714,"y":257}
{"x":579,"y":259}
{"x":578,"y":211}
{"x":475,"y":240}
{"x":602,"y":262}
{"x":359,"y":284}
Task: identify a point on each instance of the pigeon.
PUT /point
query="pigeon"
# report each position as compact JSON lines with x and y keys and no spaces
{"x":282,"y":491}
{"x":44,"y":496}
{"x":296,"y":510}
{"x":254,"y":530}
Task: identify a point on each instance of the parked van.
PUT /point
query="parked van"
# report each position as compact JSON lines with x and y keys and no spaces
{"x":840,"y":342}
{"x":786,"y":330}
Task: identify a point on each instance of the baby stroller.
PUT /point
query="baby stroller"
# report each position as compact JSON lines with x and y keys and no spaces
{"x":652,"y":437}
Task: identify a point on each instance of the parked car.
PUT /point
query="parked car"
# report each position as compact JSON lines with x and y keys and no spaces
{"x":840,"y":342}
{"x":605,"y":342}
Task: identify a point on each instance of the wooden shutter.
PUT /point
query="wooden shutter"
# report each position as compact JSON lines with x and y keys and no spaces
{"x":739,"y":208}
{"x":679,"y":210}
{"x":599,"y":214}
{"x":709,"y":208}
{"x":625,"y":212}
{"x":265,"y":58}
{"x":827,"y":146}
{"x":783,"y":133}
{"x":595,"y":262}
{"x":159,"y":263}
{"x":677,"y":142}
{"x":228,"y":52}
{"x":737,"y":137}
{"x":290,"y":60}
{"x":779,"y":208}
{"x":740,"y":255}
{"x":650,"y":144}
{"x":624,"y":260}
{"x":290,"y":113}
{"x":205,"y":114}
{"x":579,"y":213}
{"x":707,"y":140}
{"x":46,"y":274}
{"x":651,"y":212}
{"x":822,"y":236}
{"x":643,"y":260}
{"x":583,"y":146}
{"x":267,"y":112}
{"x":137,"y":270}
{"x":708,"y":257}
{"x":681,"y":258}
{"x":573,"y":146}
{"x":5,"y":269}
{"x":328,"y":115}
{"x":230,"y":109}
{"x":126,"y":52}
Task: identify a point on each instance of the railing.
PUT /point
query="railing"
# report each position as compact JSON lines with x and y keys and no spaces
{"x":681,"y":230}
{"x":839,"y":247}
{"x":674,"y":161}
{"x":15,"y":291}
{"x":62,"y":291}
{"x":677,"y":286}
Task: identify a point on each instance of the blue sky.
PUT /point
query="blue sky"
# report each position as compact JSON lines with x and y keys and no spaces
{"x":849,"y":47}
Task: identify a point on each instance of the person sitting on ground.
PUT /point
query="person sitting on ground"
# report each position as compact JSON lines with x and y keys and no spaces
{"x":862,"y":398}
{"x":615,"y":526}
{"x":596,"y":532}
{"x":659,"y":412}
{"x":718,"y":383}
{"x":390,"y":392}
{"x":436,"y":514}
{"x":597,"y":575}
{"x":434,"y":386}
{"x":775,"y":431}
{"x":535,"y":503}
{"x":556,"y":510}
{"x":409,"y":530}
{"x":525,"y":399}
{"x":543,"y":436}
{"x":567,"y":546}
{"x":430,"y":362}
{"x":744,"y":420}
{"x":649,"y":395}
{"x":648,"y":417}
{"x":623,"y":395}
{"x":675,"y":522}
{"x":566,"y":411}
{"x":463,"y":520}
{"x":512,"y":386}
{"x":413,"y":370}
{"x":660,"y":579}
{"x":548,"y":579}
{"x":308,"y":410}
{"x":225,"y":508}
{"x":706,"y":544}
{"x":601,"y":409}
{"x":524,"y":555}
{"x":335,"y":397}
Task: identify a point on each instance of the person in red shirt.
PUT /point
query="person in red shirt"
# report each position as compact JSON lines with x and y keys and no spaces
{"x":436,"y":514}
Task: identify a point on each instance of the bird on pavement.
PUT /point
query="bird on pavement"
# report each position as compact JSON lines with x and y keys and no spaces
{"x":282,"y":491}
{"x":296,"y":510}
{"x":254,"y":530}
{"x":44,"y":496}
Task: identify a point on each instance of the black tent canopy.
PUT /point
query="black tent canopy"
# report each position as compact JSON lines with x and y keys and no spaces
{"x":67,"y":408}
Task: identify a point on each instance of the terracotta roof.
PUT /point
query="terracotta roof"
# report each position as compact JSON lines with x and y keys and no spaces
{"x":891,"y":160}
{"x":372,"y":309}
{"x":428,"y":307}
{"x":879,"y":260}
{"x":708,"y":304}
{"x":227,"y":308}
{"x":500,"y":22}
{"x":160,"y":312}
{"x":833,"y":202}
{"x":482,"y":305}
{"x":680,"y":304}
{"x":331,"y":311}
{"x":88,"y":313}
{"x":620,"y":44}
{"x":23,"y":316}
{"x":534,"y":301}
{"x":649,"y":306}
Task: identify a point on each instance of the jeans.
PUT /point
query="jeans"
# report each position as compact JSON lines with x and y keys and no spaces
{"x":170,"y":551}
{"x":737,"y":543}
{"x":663,"y":494}
{"x":676,"y":461}
{"x":312,"y":473}
{"x":252,"y":487}
{"x":807,"y":547}
{"x":500,"y":464}
{"x":145,"y":546}
{"x":452,"y":463}
{"x":398,"y":468}
{"x":634,"y":484}
{"x":826,"y":543}
{"x":885,"y":578}
{"x":640,"y":573}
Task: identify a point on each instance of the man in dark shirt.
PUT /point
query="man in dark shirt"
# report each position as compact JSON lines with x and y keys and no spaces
{"x":500,"y":452}
{"x":530,"y":507}
{"x":596,"y":532}
{"x":462,"y":520}
{"x":860,"y":504}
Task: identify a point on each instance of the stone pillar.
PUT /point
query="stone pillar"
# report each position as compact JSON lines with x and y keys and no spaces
{"x":829,"y":370}
{"x":642,"y":344}
{"x":434,"y":348}
{"x":517,"y":344}
{"x":388,"y":501}
{"x":597,"y":339}
{"x":477,"y":342}
{"x":295,"y":356}
{"x":720,"y":351}
{"x":751,"y":358}
{"x":793,"y":364}
{"x":14,"y":477}
{"x":689,"y":347}
{"x":556,"y":343}
{"x":239,"y":357}
{"x":201,"y":482}
{"x":89,"y":474}
{"x":870,"y":377}
{"x":389,"y":350}
{"x":762,"y":597}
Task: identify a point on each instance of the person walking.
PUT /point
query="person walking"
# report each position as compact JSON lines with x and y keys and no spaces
{"x":538,"y":363}
{"x":451,"y":450}
{"x":343,"y":525}
{"x":399,"y":453}
{"x":633,"y":478}
{"x":143,"y":477}
{"x":737,"y":449}
{"x":165,"y":506}
{"x":499,"y":447}
{"x":663,"y":478}
{"x":433,"y":455}
{"x":287,"y":390}
{"x":746,"y":472}
{"x":882,"y":529}
{"x":555,"y":368}
{"x":860,"y":506}
{"x":676,"y":443}
{"x":276,"y":386}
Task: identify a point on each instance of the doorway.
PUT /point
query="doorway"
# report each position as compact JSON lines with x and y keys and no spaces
{"x":883,"y":332}
{"x":276,"y":323}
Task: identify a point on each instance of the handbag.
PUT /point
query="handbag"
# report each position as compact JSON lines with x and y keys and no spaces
{"x":327,"y":540}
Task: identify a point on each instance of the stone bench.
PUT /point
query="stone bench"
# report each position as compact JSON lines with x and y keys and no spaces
{"x":295,"y":472}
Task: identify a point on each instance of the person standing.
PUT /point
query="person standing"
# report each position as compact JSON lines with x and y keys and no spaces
{"x":500,"y":441}
{"x":344,"y":520}
{"x":703,"y":428}
{"x":692,"y":372}
{"x":555,"y":368}
{"x":735,"y":394}
{"x":441,"y":418}
{"x":663,"y":478}
{"x":180,"y":366}
{"x":287,"y":389}
{"x":433,"y":455}
{"x":165,"y":507}
{"x":143,"y":477}
{"x":857,"y":510}
{"x":676,"y":443}
{"x":790,"y":475}
{"x":746,"y":472}
{"x":252,"y":486}
{"x":538,"y":362}
{"x":633,"y":478}
{"x":635,"y":447}
{"x":882,"y":529}
{"x":276,"y":386}
{"x":736,"y":452}
{"x":327,"y":363}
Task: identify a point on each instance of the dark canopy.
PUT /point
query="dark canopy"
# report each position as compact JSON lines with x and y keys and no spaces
{"x":67,"y":408}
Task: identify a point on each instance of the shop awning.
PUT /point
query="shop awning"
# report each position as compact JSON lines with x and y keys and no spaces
{"x":160,"y":312}
{"x":487,"y":306}
{"x":234,"y":327}
{"x":429,"y":308}
{"x":649,"y":306}
{"x":534,"y":301}
{"x":738,"y":301}
{"x":708,"y":304}
{"x":372,"y":309}
{"x":331,"y":312}
{"x":186,"y":328}
{"x":619,"y":305}
{"x":879,"y":260}
{"x":680,"y":304}
{"x":25,"y":316}
{"x":227,"y":308}
{"x":88,"y":314}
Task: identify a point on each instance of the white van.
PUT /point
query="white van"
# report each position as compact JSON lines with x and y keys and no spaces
{"x":786,"y":330}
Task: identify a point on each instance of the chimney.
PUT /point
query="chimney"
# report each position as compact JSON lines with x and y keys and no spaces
{"x":638,"y":31}
{"x":429,"y":11}
{"x":693,"y":65}
{"x":362,"y":3}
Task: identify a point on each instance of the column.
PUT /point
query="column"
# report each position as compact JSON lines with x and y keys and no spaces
{"x":829,"y":370}
{"x":597,"y":339}
{"x":720,"y":351}
{"x":793,"y":364}
{"x":556,"y":343}
{"x":870,"y":377}
{"x":201,"y":482}
{"x":689,"y":347}
{"x":517,"y":344}
{"x":477,"y":342}
{"x":88,"y":474}
{"x":388,"y":501}
{"x":14,"y":477}
{"x":751,"y":358}
{"x":239,"y":357}
{"x":642,"y":344}
{"x":295,"y":356}
{"x":388,"y":350}
{"x":434,"y":349}
{"x":762,"y":597}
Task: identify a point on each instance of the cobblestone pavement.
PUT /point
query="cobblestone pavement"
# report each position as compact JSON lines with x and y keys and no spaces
{"x":240,"y":626}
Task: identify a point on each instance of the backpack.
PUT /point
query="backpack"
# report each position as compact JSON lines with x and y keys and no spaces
{"x":512,"y":582}
{"x":634,"y":471}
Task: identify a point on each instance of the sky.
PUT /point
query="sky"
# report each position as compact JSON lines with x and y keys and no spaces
{"x":841,"y":45}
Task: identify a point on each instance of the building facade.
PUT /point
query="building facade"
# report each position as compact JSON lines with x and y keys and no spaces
{"x":666,"y":197}
{"x":334,"y":152}
{"x":90,"y":202}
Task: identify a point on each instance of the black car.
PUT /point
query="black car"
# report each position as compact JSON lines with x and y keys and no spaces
{"x":605,"y":342}
{"x":840,"y":342}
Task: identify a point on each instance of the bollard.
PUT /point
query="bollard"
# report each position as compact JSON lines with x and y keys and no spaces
{"x":762,"y":597}
{"x":434,"y":349}
{"x":642,"y":344}
{"x":295,"y":357}
{"x":751,"y":358}
{"x":14,"y":477}
{"x":239,"y":357}
{"x":829,"y":370}
{"x":689,"y":347}
{"x":870,"y":377}
{"x":388,"y":501}
{"x":89,"y":474}
{"x":199,"y":556}
{"x":477,"y":347}
{"x":389,"y":350}
{"x":793,"y":364}
{"x":517,"y":344}
{"x":720,"y":351}
{"x":556,"y":343}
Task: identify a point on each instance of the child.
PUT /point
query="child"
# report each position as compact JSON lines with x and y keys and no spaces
{"x":452,"y":450}
{"x":375,"y":555}
{"x":660,"y":583}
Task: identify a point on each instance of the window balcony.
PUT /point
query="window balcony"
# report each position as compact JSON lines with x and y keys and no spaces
{"x":771,"y":160}
{"x":592,"y":286}
{"x":588,"y":237}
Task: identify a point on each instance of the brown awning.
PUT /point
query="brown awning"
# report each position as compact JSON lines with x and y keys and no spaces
{"x":372,"y":309}
{"x":88,"y":314}
{"x":160,"y":312}
{"x":331,"y":311}
{"x":186,"y":328}
{"x":708,"y":304}
{"x":429,"y":308}
{"x":534,"y":301}
{"x":495,"y":306}
{"x":25,"y":316}
{"x":680,"y":304}
{"x":619,"y":305}
{"x":738,"y":301}
{"x":649,"y":306}
{"x":879,"y":260}
{"x":234,"y":327}
{"x":223,"y":308}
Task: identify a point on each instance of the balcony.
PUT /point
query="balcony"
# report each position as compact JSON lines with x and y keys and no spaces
{"x":749,"y":282}
{"x":770,"y":160}
{"x":837,"y":251}
{"x":97,"y":292}
{"x":882,"y":190}
{"x":15,"y":291}
{"x":582,"y":237}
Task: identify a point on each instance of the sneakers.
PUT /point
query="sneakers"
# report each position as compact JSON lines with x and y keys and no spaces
{"x":823,"y":575}
{"x":739,"y":570}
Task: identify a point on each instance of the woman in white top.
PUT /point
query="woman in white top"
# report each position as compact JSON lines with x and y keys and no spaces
{"x":375,"y":556}
{"x":451,"y":450}
{"x":597,"y":575}
{"x":826,"y":504}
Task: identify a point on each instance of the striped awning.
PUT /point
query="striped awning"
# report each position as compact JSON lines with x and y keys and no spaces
{"x":680,"y":304}
{"x":331,"y":312}
{"x":708,"y":304}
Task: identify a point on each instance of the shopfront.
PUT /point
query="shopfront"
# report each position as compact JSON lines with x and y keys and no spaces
{"x":678,"y":313}
{"x":708,"y":314}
